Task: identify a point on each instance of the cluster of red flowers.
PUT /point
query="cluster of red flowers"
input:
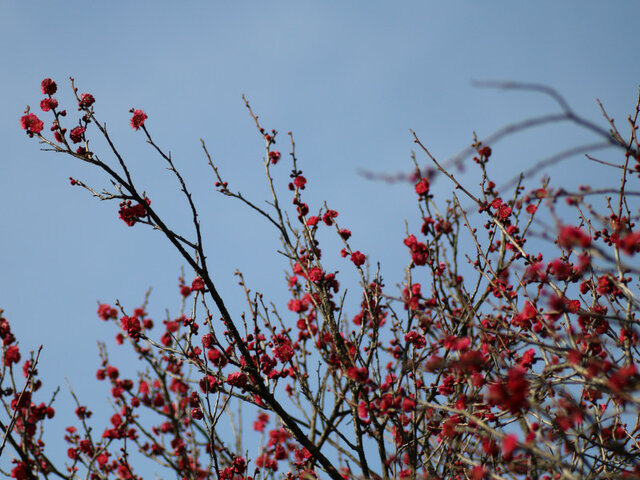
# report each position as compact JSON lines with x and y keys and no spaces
{"x":131,"y":214}
{"x":419,"y":250}
{"x":31,"y":123}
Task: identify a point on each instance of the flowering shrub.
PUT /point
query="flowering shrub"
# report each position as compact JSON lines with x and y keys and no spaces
{"x":521,"y":365}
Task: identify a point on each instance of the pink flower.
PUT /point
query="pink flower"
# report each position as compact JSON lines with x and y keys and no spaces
{"x":138,"y":119}
{"x":49,"y":87}
{"x":31,"y":123}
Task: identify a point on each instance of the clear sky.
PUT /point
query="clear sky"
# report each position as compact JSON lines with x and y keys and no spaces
{"x":348,"y":78}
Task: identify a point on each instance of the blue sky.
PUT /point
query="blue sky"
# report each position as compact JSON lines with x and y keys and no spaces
{"x":348,"y":78}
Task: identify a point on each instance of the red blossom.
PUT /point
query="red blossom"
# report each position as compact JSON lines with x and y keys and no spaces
{"x":31,"y":123}
{"x":11,"y":355}
{"x":300,"y":182}
{"x":363,"y":410}
{"x":408,"y":404}
{"x":509,"y":444}
{"x":345,"y":234}
{"x":422,"y":187}
{"x":503,"y":212}
{"x":561,"y":269}
{"x":197,"y":285}
{"x":457,"y":343}
{"x":130,"y":214}
{"x":138,"y":119}
{"x":274,"y":156}
{"x":21,"y":471}
{"x":419,"y":251}
{"x":76,"y":134}
{"x":510,"y":394}
{"x":629,"y":243}
{"x":112,"y":372}
{"x":528,"y":358}
{"x":278,"y":436}
{"x":485,"y":151}
{"x":535,"y":272}
{"x":261,"y":422}
{"x":217,"y":358}
{"x":478,"y":473}
{"x":570,"y":236}
{"x":48,"y":104}
{"x":523,"y":319}
{"x":132,"y":326}
{"x":623,"y":378}
{"x":315,"y":274}
{"x":284,"y":352}
{"x":86,"y":100}
{"x":360,"y":375}
{"x":48,"y":86}
{"x":416,"y":339}
{"x":105,"y":312}
{"x":297,"y":305}
{"x":328,"y":217}
{"x":358,"y":258}
{"x":446,"y":386}
{"x":237,"y":379}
